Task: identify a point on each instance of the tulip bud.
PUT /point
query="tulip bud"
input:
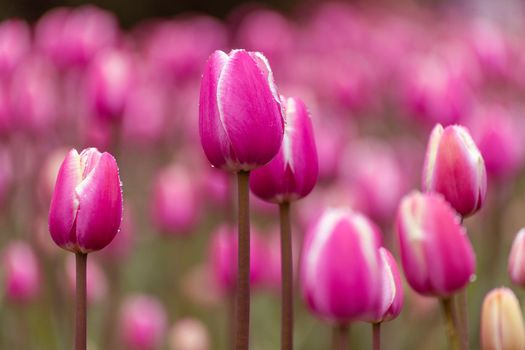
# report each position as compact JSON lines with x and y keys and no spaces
{"x":22,"y":272}
{"x":501,"y":321}
{"x":189,"y":334}
{"x":292,"y":173}
{"x":392,"y":290}
{"x":86,"y":208}
{"x":223,"y":258}
{"x":96,"y":281}
{"x":436,"y":253}
{"x":455,"y":168}
{"x":175,"y":204}
{"x":341,"y":267}
{"x":143,"y":323}
{"x":240,"y":118}
{"x":517,"y":259}
{"x":109,"y":83}
{"x":72,"y":37}
{"x":15,"y":44}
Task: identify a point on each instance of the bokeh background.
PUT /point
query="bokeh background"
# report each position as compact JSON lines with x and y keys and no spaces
{"x":124,"y":76}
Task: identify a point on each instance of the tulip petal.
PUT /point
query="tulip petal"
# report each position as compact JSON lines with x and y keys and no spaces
{"x":100,"y":209}
{"x":64,"y":204}
{"x":249,"y":110}
{"x":213,"y":137}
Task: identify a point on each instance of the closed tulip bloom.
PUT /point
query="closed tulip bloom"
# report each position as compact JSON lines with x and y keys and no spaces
{"x":455,"y":168}
{"x":143,"y":323}
{"x":86,"y":208}
{"x":517,"y":259}
{"x":392,"y":288}
{"x":292,"y":173}
{"x":223,"y":258}
{"x":341,"y":267}
{"x":436,"y":254}
{"x":501,"y":321}
{"x":189,"y":334}
{"x":109,"y":83}
{"x":15,"y":44}
{"x":175,"y":205}
{"x":240,"y":116}
{"x":22,"y":274}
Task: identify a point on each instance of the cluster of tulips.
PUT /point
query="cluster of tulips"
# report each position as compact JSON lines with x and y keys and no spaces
{"x":327,"y":123}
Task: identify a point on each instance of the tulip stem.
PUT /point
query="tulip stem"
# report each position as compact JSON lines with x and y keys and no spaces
{"x":81,"y":309}
{"x":340,"y":337}
{"x":461,"y":305}
{"x":286,"y":278}
{"x":242,"y":319}
{"x":376,"y":336}
{"x":452,"y":334}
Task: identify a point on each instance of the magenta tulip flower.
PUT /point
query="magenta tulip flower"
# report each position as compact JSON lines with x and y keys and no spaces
{"x":240,"y":117}
{"x":110,"y":79}
{"x":223,"y":258}
{"x":455,"y":168}
{"x":175,"y":202}
{"x":15,"y":44}
{"x":517,"y":259}
{"x":436,"y":254}
{"x":392,"y":288}
{"x":86,"y":208}
{"x":22,"y":276}
{"x":143,"y":323}
{"x":292,"y":173}
{"x":341,"y":277}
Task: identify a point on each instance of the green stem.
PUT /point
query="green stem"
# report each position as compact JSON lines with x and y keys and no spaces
{"x":242,"y":338}
{"x":80,"y":305}
{"x":340,"y":337}
{"x":286,"y":278}
{"x":451,"y":330}
{"x":376,"y":336}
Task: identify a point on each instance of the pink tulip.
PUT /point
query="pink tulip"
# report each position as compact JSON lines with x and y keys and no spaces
{"x":436,"y":253}
{"x":145,"y":112}
{"x":96,"y":281}
{"x":22,"y":274}
{"x":143,"y":323}
{"x":223,"y":258}
{"x":292,"y":173}
{"x":497,"y":135}
{"x":34,"y":95}
{"x":501,"y":321}
{"x":175,"y":203}
{"x":455,"y":168}
{"x":341,"y":267}
{"x":72,"y":37}
{"x":86,"y":208}
{"x":15,"y":44}
{"x":392,"y":290}
{"x":375,"y":178}
{"x":189,"y":334}
{"x":110,"y":79}
{"x":433,"y":92}
{"x":240,"y":117}
{"x":170,"y":45}
{"x":517,"y":259}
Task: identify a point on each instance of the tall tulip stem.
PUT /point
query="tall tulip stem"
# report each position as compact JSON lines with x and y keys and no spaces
{"x":376,"y":336}
{"x":340,"y":337}
{"x":452,"y":333}
{"x":242,"y":319}
{"x":81,"y":306}
{"x":286,"y":277}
